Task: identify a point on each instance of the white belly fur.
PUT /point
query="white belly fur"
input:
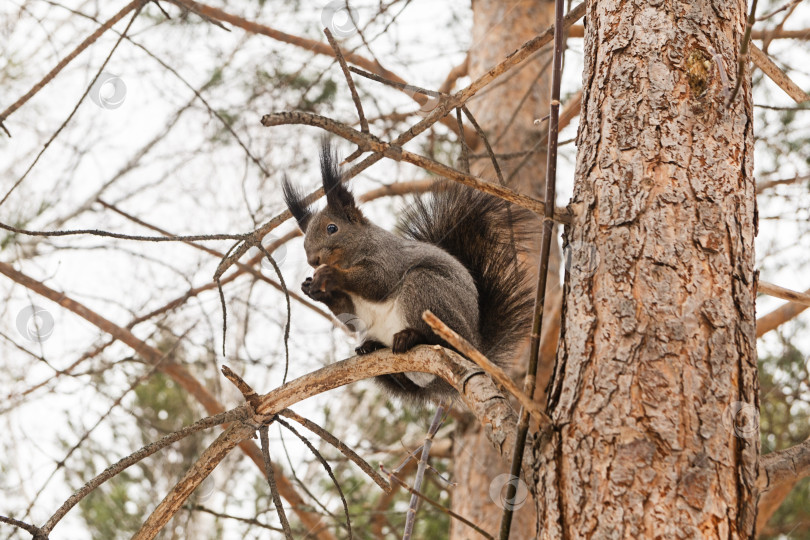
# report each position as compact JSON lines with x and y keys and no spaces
{"x":382,"y":320}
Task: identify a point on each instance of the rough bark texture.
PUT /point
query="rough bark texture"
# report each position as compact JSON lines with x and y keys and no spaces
{"x":506,"y":111}
{"x":655,"y":389}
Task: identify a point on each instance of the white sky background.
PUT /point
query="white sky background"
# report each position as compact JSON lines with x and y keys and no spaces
{"x":218,"y":191}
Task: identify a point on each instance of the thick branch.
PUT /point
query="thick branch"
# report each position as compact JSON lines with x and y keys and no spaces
{"x":785,"y":294}
{"x":763,"y":62}
{"x":475,"y":388}
{"x":778,"y":473}
{"x":779,"y":316}
{"x":206,"y":463}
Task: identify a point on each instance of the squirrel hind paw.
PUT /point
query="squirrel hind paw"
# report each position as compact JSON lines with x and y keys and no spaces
{"x":407,"y":339}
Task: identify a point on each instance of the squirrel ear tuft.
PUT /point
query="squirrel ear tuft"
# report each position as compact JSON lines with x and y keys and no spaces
{"x":338,"y":197}
{"x":295,"y":202}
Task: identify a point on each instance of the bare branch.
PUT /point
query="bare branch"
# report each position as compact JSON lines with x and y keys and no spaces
{"x":337,"y":443}
{"x":763,"y":186}
{"x":410,"y":517}
{"x":89,"y":40}
{"x":35,"y":531}
{"x":779,"y":316}
{"x":763,"y":62}
{"x":111,"y":471}
{"x":778,"y":473}
{"x":397,"y":153}
{"x":438,"y":506}
{"x":176,"y":498}
{"x":177,"y":372}
{"x":271,"y":481}
{"x":500,"y":376}
{"x":785,"y":294}
{"x":349,"y":81}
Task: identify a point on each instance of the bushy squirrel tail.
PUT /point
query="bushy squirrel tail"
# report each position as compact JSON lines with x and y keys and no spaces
{"x":486,"y":235}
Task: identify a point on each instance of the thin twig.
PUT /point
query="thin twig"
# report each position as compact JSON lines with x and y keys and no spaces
{"x":439,"y":112}
{"x":27,"y":527}
{"x":271,"y":480}
{"x":326,"y":467}
{"x":743,"y":55}
{"x":111,"y":471}
{"x":464,"y":158}
{"x":545,"y":249}
{"x":289,"y":310}
{"x":438,"y":506}
{"x":138,"y":4}
{"x":250,"y":395}
{"x":410,"y":517}
{"x":89,"y":40}
{"x":340,"y":445}
{"x":249,"y":521}
{"x":349,"y":81}
{"x":500,"y":376}
{"x":408,"y":88}
{"x":121,"y":236}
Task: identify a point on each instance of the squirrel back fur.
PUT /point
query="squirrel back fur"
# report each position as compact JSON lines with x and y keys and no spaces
{"x":455,"y":254}
{"x":485,"y":235}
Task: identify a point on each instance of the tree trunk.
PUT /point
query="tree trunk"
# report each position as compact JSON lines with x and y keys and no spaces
{"x":654,"y":396}
{"x":506,"y":112}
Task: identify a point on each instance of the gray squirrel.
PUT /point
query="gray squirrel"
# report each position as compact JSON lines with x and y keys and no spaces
{"x":455,"y":255}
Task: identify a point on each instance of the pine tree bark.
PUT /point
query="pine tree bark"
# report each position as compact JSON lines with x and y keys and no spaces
{"x":655,"y":392}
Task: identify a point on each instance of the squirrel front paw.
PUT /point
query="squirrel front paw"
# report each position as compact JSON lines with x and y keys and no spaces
{"x":324,"y":280}
{"x":322,"y":284}
{"x":310,"y":291}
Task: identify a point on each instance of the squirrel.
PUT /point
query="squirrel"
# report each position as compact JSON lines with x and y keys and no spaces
{"x":455,"y":254}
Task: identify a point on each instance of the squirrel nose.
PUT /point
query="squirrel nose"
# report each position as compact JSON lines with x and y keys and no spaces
{"x":314,"y":260}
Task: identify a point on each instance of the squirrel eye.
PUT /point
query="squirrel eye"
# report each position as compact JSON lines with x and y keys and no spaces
{"x":331,"y":228}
